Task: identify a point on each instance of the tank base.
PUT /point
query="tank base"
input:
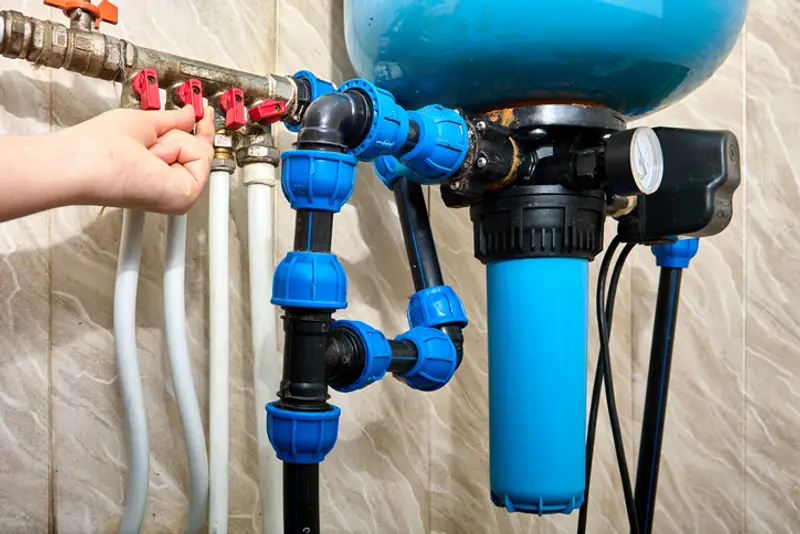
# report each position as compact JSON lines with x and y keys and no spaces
{"x":541,"y":508}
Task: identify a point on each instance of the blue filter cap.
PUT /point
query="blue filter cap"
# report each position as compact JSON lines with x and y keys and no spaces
{"x":377,"y":354}
{"x":436,"y":359}
{"x":302,"y":437}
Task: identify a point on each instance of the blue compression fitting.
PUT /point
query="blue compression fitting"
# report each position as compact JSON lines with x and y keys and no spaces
{"x":538,"y":318}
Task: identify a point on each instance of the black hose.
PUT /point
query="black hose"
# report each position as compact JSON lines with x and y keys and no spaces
{"x":655,"y":404}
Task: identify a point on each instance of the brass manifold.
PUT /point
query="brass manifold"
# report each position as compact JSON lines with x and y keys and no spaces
{"x":97,"y":55}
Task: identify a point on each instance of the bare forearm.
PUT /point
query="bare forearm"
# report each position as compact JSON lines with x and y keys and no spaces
{"x":36,"y":175}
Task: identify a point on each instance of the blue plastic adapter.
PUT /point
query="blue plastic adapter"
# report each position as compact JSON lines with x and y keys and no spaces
{"x":377,"y":354}
{"x":436,"y":359}
{"x":389,"y":122}
{"x":442,"y":146}
{"x":302,"y":437}
{"x":538,"y":314}
{"x":677,"y":255}
{"x":310,"y":280}
{"x":436,"y":306}
{"x":316,"y":180}
{"x":318,"y":89}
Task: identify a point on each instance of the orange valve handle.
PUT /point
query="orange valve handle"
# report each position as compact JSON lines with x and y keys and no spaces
{"x":105,"y":11}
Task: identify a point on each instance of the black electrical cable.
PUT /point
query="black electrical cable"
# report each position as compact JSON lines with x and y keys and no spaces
{"x":603,"y":372}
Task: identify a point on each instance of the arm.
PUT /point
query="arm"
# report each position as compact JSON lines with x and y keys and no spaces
{"x":122,"y":158}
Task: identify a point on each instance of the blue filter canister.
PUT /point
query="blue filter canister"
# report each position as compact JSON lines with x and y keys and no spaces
{"x":538,"y":314}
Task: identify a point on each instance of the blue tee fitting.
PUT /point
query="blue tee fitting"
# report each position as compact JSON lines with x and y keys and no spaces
{"x":306,"y":279}
{"x":436,"y":359}
{"x":676,"y":255}
{"x":436,"y":306}
{"x":377,"y":354}
{"x":442,"y":146}
{"x":317,"y":180}
{"x":389,"y":127}
{"x":302,"y":437}
{"x":318,"y":88}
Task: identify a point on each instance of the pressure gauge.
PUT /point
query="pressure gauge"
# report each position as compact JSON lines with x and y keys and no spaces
{"x":634,"y":162}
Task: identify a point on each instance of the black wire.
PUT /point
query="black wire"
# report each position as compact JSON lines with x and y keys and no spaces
{"x":605,"y":316}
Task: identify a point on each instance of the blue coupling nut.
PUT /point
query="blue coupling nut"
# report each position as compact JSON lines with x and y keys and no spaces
{"x":389,"y":127}
{"x":377,"y":354}
{"x":436,"y":306}
{"x":317,"y":180}
{"x":318,"y":88}
{"x":676,"y":255}
{"x":442,"y":146}
{"x":436,"y":359}
{"x":310,"y":280}
{"x":302,"y":437}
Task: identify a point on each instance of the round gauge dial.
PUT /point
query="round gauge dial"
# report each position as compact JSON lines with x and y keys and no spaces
{"x":647,"y":160}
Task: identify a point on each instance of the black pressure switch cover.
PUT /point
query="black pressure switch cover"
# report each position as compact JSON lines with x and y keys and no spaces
{"x":702,"y":169}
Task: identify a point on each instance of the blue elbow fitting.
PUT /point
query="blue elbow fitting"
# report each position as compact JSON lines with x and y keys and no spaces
{"x":302,"y":437}
{"x":317,"y":87}
{"x":436,"y":359}
{"x":316,"y":180}
{"x":306,"y":279}
{"x":442,"y":146}
{"x":676,"y":255}
{"x":389,"y":127}
{"x":436,"y":306}
{"x":377,"y":354}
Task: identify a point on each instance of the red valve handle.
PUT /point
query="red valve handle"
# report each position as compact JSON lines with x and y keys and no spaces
{"x":232,"y":103}
{"x":268,"y":111}
{"x":190,"y":93}
{"x":145,"y":84}
{"x":105,"y":11}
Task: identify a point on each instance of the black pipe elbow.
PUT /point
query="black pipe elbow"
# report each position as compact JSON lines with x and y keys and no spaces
{"x":336,"y":122}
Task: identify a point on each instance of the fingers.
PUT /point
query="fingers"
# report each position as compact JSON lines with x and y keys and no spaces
{"x":179,"y":119}
{"x":189,"y":162}
{"x":205,"y":128}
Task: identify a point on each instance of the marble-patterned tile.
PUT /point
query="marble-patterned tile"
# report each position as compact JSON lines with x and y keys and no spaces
{"x":25,"y":448}
{"x":376,"y":479}
{"x":773,"y":335}
{"x":24,"y":332}
{"x":90,"y":456}
{"x":702,"y":454}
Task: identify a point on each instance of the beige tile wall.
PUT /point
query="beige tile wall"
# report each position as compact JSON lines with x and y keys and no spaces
{"x":404,"y":462}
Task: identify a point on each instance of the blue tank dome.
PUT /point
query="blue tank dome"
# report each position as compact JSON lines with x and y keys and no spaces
{"x":634,"y":56}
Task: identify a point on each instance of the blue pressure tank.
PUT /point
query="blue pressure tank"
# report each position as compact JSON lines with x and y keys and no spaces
{"x":634,"y":56}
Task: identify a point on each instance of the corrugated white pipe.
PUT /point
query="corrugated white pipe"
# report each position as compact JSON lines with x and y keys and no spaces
{"x":181,"y":369}
{"x":125,"y":290}
{"x":219,"y":334}
{"x":260,"y":181}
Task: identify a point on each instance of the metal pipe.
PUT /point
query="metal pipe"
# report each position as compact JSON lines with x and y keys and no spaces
{"x":104,"y":57}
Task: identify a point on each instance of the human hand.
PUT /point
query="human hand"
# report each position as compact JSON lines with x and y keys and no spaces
{"x":145,"y":160}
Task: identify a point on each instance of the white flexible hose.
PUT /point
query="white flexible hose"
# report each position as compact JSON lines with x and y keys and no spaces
{"x":260,"y":181}
{"x":125,"y":288}
{"x":219,"y":333}
{"x":181,"y":369}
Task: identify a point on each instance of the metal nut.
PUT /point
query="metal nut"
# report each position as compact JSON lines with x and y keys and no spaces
{"x":223,"y":140}
{"x":227,"y":165}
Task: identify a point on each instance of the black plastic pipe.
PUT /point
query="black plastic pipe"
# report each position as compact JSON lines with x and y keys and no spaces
{"x":417,"y":234}
{"x":301,"y":512}
{"x":655,"y":404}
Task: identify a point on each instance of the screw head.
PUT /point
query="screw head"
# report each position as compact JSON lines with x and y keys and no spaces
{"x":481,"y":126}
{"x":482,"y":162}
